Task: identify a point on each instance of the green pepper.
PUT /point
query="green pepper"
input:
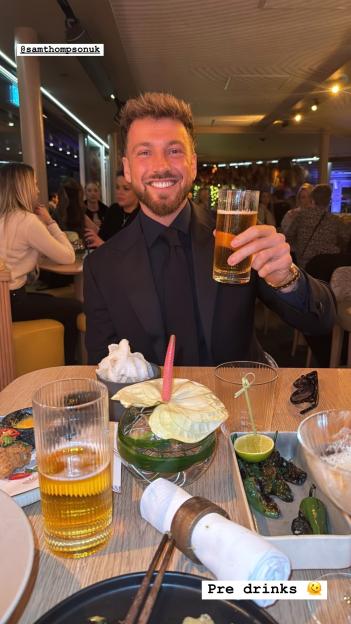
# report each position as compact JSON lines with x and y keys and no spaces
{"x":314,"y":511}
{"x":282,"y":489}
{"x":259,"y":501}
{"x":289,"y":472}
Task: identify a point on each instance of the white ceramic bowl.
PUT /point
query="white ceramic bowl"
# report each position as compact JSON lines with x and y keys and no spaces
{"x":314,"y":434}
{"x":115,"y":407}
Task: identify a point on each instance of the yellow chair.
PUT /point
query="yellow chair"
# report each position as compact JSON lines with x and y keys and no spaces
{"x":25,"y":345}
{"x":37,"y":344}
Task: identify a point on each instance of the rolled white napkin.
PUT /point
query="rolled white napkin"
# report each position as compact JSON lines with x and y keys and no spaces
{"x":159,"y":503}
{"x":230,"y":551}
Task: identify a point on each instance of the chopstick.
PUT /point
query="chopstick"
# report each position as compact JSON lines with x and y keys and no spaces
{"x":139,"y":613}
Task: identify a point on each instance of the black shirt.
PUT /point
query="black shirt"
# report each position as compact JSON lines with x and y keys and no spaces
{"x":101,"y":213}
{"x":115,"y":220}
{"x":158,"y":251}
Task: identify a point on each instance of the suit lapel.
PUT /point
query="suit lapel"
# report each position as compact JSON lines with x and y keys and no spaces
{"x":138,"y":283}
{"x":206,"y":288}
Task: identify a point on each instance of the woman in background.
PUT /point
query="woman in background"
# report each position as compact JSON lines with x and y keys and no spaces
{"x":119,"y":215}
{"x":303,"y":200}
{"x":27,"y":230}
{"x":71,"y":209}
{"x":95,"y":209}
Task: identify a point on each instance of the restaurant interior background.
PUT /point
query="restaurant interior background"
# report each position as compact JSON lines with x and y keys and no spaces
{"x":259,"y":75}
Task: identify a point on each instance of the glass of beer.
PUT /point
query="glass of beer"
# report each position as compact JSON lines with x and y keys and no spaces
{"x":73,"y":451}
{"x":237,"y":211}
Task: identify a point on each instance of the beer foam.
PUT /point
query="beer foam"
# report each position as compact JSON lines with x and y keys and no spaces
{"x":123,"y":366}
{"x":236,"y":212}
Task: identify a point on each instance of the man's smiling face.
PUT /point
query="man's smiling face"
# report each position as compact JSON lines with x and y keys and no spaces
{"x":160,"y":164}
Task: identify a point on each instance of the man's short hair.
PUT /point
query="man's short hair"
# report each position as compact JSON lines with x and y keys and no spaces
{"x":157,"y":106}
{"x":321,"y":194}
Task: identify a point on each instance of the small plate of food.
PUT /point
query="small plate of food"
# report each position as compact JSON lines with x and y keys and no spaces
{"x":284,"y":506}
{"x":18,"y":470}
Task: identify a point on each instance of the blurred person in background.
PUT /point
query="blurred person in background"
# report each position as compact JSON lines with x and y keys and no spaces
{"x":315,"y":231}
{"x":303,"y":200}
{"x":203,"y":198}
{"x":265,"y":207}
{"x":71,"y":208}
{"x":27,"y":230}
{"x":52,"y":205}
{"x":95,"y":209}
{"x":118,"y":216}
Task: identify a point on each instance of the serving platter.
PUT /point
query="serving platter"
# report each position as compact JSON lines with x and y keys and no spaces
{"x":332,"y":551}
{"x":107,"y":602}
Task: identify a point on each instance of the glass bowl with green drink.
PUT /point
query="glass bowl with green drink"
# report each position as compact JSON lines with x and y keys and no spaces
{"x":175,"y":438}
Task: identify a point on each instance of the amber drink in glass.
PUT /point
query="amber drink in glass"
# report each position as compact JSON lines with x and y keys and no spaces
{"x":74,"y":463}
{"x":237,"y":211}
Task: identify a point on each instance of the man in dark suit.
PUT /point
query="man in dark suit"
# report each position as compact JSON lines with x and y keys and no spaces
{"x":155,"y":277}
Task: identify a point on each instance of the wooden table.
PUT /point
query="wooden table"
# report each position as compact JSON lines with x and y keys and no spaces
{"x":75,"y":269}
{"x":133,"y":540}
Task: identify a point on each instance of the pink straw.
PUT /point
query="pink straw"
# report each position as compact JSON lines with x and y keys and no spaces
{"x":168,"y":370}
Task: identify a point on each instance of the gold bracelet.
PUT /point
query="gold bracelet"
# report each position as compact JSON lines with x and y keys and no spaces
{"x":294,"y":276}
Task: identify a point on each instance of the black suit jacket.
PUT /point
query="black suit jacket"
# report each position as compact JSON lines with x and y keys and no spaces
{"x":121,"y":302}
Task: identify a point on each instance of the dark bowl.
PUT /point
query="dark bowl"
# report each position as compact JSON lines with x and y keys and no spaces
{"x":116,"y":408}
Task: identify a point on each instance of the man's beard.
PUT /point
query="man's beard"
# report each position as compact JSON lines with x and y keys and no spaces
{"x":165,"y":205}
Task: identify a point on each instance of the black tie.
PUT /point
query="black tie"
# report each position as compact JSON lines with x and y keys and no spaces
{"x":179,"y":302}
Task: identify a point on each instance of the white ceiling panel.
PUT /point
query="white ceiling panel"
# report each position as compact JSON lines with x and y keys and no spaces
{"x":229,"y":58}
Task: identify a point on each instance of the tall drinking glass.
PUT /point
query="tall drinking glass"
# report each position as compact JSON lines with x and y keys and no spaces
{"x":74,"y":462}
{"x":262,"y":378}
{"x":237,"y":211}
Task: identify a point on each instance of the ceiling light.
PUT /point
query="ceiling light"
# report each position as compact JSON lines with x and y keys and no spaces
{"x":75,"y":156}
{"x":277,"y":122}
{"x":48,"y":162}
{"x":298,"y":117}
{"x":335,"y":89}
{"x":314,"y":106}
{"x":51,"y":144}
{"x":68,"y":153}
{"x":112,"y":96}
{"x":60,"y":149}
{"x":8,"y":149}
{"x":11,"y":124}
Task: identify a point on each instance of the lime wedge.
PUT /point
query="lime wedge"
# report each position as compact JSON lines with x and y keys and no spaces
{"x":254,"y":447}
